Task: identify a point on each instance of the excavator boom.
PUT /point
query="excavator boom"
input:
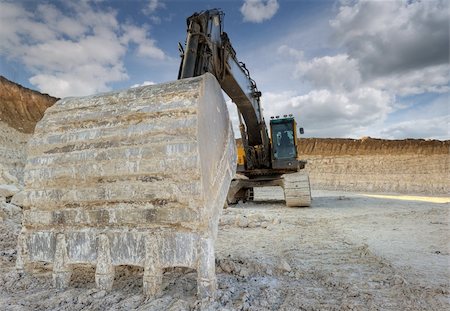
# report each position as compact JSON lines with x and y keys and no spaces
{"x":208,"y":49}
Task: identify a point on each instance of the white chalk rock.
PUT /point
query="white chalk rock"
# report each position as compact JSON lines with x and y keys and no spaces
{"x":11,"y":211}
{"x":8,"y":190}
{"x":9,"y":178}
{"x":283,"y":265}
{"x":19,"y":199}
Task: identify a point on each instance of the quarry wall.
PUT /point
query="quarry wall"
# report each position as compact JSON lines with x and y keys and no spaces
{"x":408,"y":166}
{"x":12,"y":151}
{"x":413,"y":166}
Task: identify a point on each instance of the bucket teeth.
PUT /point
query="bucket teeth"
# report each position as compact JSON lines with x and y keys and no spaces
{"x":61,"y":269}
{"x":134,"y":177}
{"x":104,"y":272}
{"x":152,"y":268}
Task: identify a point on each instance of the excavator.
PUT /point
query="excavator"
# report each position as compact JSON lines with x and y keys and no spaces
{"x":140,"y":176}
{"x":262,"y":160}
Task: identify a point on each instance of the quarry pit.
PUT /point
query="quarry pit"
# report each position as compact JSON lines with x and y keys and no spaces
{"x":375,"y":238}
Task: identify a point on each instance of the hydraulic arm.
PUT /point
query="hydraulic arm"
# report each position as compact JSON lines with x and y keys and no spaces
{"x":208,"y":49}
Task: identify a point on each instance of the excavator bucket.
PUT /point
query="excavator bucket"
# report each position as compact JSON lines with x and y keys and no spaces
{"x":136,"y":177}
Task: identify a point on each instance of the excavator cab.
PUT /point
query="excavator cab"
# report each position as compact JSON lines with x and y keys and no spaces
{"x":284,"y":143}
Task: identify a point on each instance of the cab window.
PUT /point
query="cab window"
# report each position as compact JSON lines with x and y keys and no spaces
{"x":283,"y":141}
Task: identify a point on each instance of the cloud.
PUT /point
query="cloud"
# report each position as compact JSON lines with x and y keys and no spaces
{"x":257,"y":11}
{"x":429,"y":128}
{"x":286,"y":50}
{"x":429,"y":119}
{"x":145,"y":46}
{"x":331,"y":114}
{"x":341,"y":72}
{"x":145,"y":83}
{"x":83,"y":80}
{"x":153,"y":5}
{"x":72,"y":50}
{"x":398,"y":47}
{"x":432,"y":79}
{"x":387,"y":50}
{"x":232,"y":111}
{"x":58,"y":23}
{"x":394,"y":36}
{"x":337,"y":72}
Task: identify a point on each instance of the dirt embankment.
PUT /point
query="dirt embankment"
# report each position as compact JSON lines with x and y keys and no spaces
{"x":370,"y":146}
{"x":410,"y":166}
{"x":414,"y":166}
{"x":22,"y":108}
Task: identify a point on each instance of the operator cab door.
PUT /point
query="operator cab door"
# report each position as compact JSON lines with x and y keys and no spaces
{"x":284,"y":145}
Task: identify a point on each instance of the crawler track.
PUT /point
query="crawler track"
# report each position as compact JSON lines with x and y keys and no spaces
{"x":297,"y":190}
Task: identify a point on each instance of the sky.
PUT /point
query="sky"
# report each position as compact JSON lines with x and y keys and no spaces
{"x":344,"y":68}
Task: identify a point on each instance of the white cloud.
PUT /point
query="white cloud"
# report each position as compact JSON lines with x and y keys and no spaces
{"x":342,"y":103}
{"x":58,"y":23}
{"x":431,"y":119}
{"x":150,"y":9}
{"x":432,"y":128}
{"x":232,"y":111}
{"x":387,"y":50}
{"x":145,"y":83}
{"x":395,"y":46}
{"x":392,"y":36}
{"x":78,"y":50}
{"x":83,"y":80}
{"x":153,"y":5}
{"x":257,"y":11}
{"x":331,"y":114}
{"x":432,"y":79}
{"x":146,"y":46}
{"x":337,"y":72}
{"x":286,"y":50}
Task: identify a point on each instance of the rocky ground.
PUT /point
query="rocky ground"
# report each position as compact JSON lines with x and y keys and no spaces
{"x":348,"y":252}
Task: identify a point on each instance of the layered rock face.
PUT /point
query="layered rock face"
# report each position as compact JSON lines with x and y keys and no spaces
{"x":136,"y":177}
{"x":12,"y":151}
{"x":412,"y":166}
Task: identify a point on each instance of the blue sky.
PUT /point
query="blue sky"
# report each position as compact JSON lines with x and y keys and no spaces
{"x":343,"y":68}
